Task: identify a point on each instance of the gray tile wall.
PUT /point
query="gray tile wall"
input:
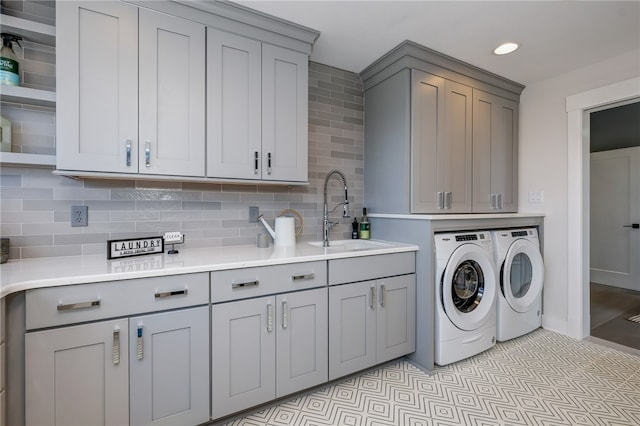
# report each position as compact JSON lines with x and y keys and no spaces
{"x":35,"y":205}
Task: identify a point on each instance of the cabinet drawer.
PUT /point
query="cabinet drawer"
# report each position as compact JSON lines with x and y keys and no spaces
{"x":371,"y":267}
{"x":48,"y":307}
{"x":251,"y":282}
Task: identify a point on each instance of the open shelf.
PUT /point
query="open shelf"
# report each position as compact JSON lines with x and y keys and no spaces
{"x":29,"y":30}
{"x":26,"y":95}
{"x":20,"y":159}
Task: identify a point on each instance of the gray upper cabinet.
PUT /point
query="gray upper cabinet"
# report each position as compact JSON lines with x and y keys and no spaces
{"x":441,"y":145}
{"x":441,"y":135}
{"x":495,"y":156}
{"x":143,"y":90}
{"x":130,"y":90}
{"x":97,"y":86}
{"x":257,"y":109}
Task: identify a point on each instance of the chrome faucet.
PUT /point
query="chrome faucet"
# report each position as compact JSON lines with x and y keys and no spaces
{"x":326,"y":224}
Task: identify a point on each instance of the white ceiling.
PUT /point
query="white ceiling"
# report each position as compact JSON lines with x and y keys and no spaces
{"x":554,"y":36}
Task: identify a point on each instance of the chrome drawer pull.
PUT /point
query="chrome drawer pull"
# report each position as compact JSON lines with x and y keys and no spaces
{"x":269,"y":318}
{"x":383,"y":295}
{"x":128,"y":152}
{"x":116,"y":346}
{"x":245,"y":284}
{"x":285,"y":314}
{"x":147,"y":154}
{"x":373,"y":294}
{"x":303,"y":277}
{"x":79,"y":305}
{"x":164,"y":294}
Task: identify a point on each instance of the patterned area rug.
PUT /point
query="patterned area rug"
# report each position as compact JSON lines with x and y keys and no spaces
{"x":543,"y":378}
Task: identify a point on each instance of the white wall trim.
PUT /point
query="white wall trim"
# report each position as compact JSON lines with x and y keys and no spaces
{"x":578,"y":323}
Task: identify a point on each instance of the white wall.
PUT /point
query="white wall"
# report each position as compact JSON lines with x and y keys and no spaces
{"x":543,"y":166}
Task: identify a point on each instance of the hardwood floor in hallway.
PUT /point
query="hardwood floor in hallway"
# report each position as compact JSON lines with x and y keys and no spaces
{"x":610,"y":308}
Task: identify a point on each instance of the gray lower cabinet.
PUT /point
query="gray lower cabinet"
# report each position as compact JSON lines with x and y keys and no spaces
{"x":169,"y":364}
{"x":266,"y":348}
{"x":370,"y":322}
{"x":78,"y":375}
{"x":84,"y":368}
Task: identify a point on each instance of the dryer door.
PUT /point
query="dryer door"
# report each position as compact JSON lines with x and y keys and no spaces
{"x":522,"y":275}
{"x":468,"y":287}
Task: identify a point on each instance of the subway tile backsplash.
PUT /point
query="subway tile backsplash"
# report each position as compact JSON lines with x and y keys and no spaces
{"x":36,"y":205}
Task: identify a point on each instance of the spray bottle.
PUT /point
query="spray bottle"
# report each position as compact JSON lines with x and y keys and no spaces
{"x":9,"y":73}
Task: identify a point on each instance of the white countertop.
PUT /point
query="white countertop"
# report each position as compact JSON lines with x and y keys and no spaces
{"x":465,"y":216}
{"x":25,"y":274}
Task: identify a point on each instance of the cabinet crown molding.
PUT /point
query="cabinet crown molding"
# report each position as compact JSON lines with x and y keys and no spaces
{"x":409,"y":54}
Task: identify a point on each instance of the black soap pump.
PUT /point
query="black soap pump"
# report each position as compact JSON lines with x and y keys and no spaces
{"x":354,"y":232}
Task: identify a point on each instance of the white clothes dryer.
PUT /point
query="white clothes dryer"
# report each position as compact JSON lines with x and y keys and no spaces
{"x":521,"y":276}
{"x":466,"y":282}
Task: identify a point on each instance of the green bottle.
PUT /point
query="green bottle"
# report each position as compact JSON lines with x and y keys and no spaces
{"x":365,"y":227}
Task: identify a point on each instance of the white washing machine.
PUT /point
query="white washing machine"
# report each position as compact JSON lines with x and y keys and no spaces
{"x":521,"y":276}
{"x":466,"y":281}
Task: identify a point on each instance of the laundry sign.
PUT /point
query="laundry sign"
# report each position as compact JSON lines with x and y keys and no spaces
{"x":134,"y":247}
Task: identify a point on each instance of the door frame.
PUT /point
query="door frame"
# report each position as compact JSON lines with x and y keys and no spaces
{"x":578,"y":234}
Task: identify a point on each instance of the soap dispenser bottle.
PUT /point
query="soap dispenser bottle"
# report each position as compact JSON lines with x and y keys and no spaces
{"x":355,"y":226}
{"x":365,"y":227}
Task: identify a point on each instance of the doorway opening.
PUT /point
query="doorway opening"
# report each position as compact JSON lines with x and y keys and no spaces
{"x":614,"y":140}
{"x":578,"y":214}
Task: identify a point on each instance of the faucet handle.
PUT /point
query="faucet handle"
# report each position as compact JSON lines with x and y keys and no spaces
{"x":345,"y":209}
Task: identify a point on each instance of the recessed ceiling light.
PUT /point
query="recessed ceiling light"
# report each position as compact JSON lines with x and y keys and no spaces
{"x":505,"y":48}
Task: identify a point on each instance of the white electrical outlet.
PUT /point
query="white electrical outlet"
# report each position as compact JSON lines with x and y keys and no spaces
{"x":173,"y":237}
{"x":536,"y":196}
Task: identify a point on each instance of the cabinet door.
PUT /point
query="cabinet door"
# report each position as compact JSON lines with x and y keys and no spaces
{"x":284,"y":114}
{"x":454,"y":155}
{"x":97,"y":86}
{"x":172,"y":92}
{"x":352,"y":328}
{"x":396,"y":325}
{"x":243,"y":354}
{"x":302,"y":340}
{"x":233,"y":106}
{"x":78,"y":375}
{"x":427,"y":135}
{"x":440,"y":145}
{"x":495,"y":153}
{"x":169,"y":363}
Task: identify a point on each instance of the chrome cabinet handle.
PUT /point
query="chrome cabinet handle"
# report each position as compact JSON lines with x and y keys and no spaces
{"x":139,"y":347}
{"x":164,"y":294}
{"x":447,"y":199}
{"x":79,"y":305}
{"x":441,"y":200}
{"x":373,"y":294}
{"x":301,"y":277}
{"x":269,"y":318}
{"x":268,"y":163}
{"x":256,"y":158}
{"x":493,"y":201}
{"x":245,"y":284}
{"x":383,"y":295}
{"x":285,"y":314}
{"x":500,"y":203}
{"x":116,"y":346}
{"x":147,"y":154}
{"x":128,"y":152}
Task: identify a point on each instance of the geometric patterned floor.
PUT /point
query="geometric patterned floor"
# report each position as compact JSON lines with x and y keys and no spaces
{"x":543,"y":378}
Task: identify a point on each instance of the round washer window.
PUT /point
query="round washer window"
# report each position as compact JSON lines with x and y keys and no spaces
{"x":468,"y":286}
{"x":521,"y":275}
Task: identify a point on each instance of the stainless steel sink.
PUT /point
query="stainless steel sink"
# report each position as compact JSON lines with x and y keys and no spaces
{"x":352,"y":245}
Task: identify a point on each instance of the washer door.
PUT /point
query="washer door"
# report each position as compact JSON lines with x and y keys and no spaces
{"x":522,"y":275}
{"x":468,"y":287}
